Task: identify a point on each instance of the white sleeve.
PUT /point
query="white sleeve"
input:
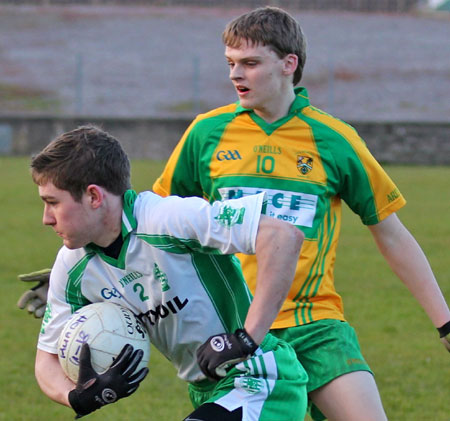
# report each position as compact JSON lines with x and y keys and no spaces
{"x":224,"y":227}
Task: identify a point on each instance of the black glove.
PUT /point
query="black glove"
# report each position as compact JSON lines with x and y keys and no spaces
{"x":222,"y":351}
{"x":444,"y":333}
{"x":94,"y":390}
{"x":35,"y":299}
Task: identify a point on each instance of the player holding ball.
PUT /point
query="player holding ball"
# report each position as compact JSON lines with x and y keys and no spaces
{"x":170,"y":261}
{"x":273,"y":140}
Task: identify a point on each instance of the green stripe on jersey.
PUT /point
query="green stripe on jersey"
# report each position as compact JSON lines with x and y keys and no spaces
{"x":74,"y":296}
{"x":317,"y":271}
{"x":225,"y":287}
{"x":176,"y":245}
{"x":353,"y":191}
{"x":196,"y":152}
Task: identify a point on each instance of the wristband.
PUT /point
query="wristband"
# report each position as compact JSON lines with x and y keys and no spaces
{"x":76,"y":405}
{"x":248,"y":344}
{"x":444,"y":330}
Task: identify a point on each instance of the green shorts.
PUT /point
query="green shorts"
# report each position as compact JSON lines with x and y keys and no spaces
{"x":270,"y":386}
{"x":327,"y":349}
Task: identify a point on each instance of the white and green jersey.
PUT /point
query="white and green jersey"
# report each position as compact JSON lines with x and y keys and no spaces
{"x":174,"y":267}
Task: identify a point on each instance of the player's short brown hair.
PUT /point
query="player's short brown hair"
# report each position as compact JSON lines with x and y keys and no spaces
{"x":271,"y":27}
{"x":84,"y":156}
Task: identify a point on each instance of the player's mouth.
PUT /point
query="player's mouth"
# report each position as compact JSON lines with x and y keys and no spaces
{"x":242,"y":90}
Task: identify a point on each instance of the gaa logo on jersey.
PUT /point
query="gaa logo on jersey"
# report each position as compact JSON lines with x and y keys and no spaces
{"x":304,"y":164}
{"x":228,"y":155}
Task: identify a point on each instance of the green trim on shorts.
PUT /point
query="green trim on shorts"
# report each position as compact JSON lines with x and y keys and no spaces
{"x":327,"y":349}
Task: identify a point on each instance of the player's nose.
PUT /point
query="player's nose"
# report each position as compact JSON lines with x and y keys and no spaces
{"x":236,"y":72}
{"x":48,"y":217}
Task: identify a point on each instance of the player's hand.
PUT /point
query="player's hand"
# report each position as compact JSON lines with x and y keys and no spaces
{"x":95,"y":390}
{"x":444,"y":333}
{"x":222,"y":351}
{"x":35,"y":299}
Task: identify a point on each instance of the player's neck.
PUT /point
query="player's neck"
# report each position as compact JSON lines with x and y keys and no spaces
{"x":277,"y":108}
{"x":113,"y":250}
{"x":111,"y":221}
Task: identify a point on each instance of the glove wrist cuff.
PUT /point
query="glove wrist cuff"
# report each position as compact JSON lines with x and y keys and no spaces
{"x":444,"y":330}
{"x":249,"y":346}
{"x":76,"y":404}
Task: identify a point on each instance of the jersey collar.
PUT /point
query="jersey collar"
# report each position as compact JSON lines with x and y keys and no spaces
{"x":301,"y":101}
{"x":129,"y":222}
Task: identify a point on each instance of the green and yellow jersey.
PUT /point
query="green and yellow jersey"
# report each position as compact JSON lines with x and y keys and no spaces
{"x":306,"y":162}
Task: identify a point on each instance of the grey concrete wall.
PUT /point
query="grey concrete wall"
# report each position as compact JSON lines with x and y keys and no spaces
{"x":141,"y":138}
{"x":426,"y":143}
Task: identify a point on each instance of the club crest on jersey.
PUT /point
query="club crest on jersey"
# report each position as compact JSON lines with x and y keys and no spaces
{"x":250,"y":384}
{"x":229,"y":216}
{"x":162,"y":277}
{"x":304,"y":164}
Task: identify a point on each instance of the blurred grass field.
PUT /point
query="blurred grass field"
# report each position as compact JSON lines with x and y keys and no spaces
{"x":397,"y":339}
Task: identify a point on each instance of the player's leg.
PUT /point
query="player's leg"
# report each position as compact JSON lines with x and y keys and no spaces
{"x":213,"y":412}
{"x":350,"y":397}
{"x":328,"y":350}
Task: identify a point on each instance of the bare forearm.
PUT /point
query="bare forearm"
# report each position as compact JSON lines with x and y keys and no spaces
{"x":418,"y":277}
{"x":407,"y":260}
{"x":277,"y":253}
{"x":51,"y":379}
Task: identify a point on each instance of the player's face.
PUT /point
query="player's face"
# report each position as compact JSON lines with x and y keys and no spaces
{"x":75,"y":222}
{"x":261,"y":79}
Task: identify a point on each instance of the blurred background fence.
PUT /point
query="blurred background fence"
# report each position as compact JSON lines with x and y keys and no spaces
{"x":353,"y":5}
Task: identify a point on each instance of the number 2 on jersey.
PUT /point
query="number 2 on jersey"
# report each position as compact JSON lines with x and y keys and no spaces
{"x":140,"y":289}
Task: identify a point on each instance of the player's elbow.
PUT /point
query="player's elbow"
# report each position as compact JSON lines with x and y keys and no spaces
{"x":279,"y":238}
{"x":289,"y":237}
{"x":296,"y":238}
{"x":51,"y":378}
{"x":41,"y":371}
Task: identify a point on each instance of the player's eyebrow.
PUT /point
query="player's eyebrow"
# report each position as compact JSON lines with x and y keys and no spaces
{"x":47,"y":197}
{"x":243,"y":58}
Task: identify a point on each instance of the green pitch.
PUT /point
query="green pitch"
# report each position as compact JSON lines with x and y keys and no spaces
{"x":410,"y":364}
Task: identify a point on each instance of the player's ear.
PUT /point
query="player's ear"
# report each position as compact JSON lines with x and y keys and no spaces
{"x":290,"y":63}
{"x":95,"y":195}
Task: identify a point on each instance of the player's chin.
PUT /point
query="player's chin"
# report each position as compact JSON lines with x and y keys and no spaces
{"x":246,"y":102}
{"x":69,"y":245}
{"x":73,"y":244}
